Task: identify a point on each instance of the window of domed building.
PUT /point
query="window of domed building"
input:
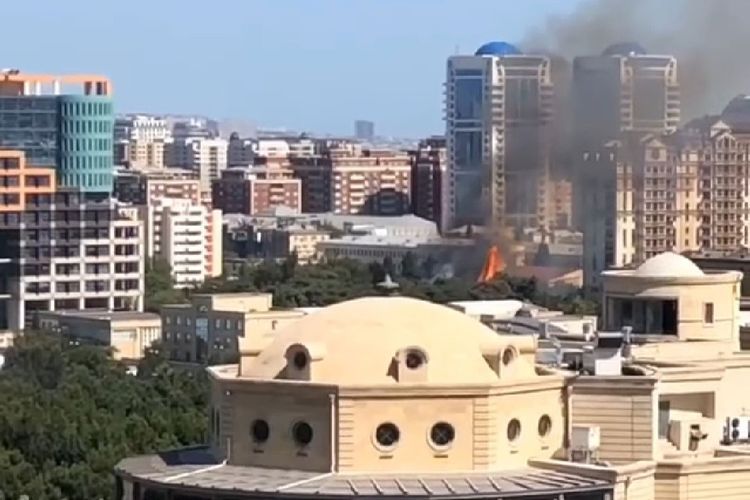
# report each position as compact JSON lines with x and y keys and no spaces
{"x":260,"y":431}
{"x":514,"y":430}
{"x":442,"y":434}
{"x":387,"y":435}
{"x":545,"y":425}
{"x":300,"y":360}
{"x":302,"y":433}
{"x":414,"y":359}
{"x":509,"y":354}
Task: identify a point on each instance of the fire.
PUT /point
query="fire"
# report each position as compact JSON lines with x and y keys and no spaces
{"x":493,"y":265}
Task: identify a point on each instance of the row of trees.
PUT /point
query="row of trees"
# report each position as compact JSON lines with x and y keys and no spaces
{"x":70,"y":413}
{"x":326,"y":283}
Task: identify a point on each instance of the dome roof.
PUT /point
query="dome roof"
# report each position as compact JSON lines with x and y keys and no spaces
{"x":357,"y":341}
{"x":668,"y":265}
{"x":497,"y":49}
{"x":624,"y":49}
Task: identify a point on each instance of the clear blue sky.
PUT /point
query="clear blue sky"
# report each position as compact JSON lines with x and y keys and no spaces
{"x":307,"y":64}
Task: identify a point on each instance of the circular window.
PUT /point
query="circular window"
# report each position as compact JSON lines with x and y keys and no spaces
{"x":414,"y":359}
{"x":545,"y":425}
{"x":300,"y":360}
{"x":303,"y":433}
{"x":509,"y":355}
{"x":387,"y":435}
{"x":260,"y":431}
{"x":442,"y":434}
{"x":514,"y":429}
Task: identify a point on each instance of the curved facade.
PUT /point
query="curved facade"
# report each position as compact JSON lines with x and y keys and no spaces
{"x":85,"y":155}
{"x":375,"y":397}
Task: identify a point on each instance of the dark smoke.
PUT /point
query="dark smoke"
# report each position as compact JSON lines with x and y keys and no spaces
{"x":710,"y":38}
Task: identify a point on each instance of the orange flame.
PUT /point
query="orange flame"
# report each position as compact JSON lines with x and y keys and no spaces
{"x":493,"y":265}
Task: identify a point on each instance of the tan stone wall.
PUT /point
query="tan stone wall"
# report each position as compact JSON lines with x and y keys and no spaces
{"x":626,"y":419}
{"x":414,"y":417}
{"x":709,"y":478}
{"x":666,"y":487}
{"x":733,"y":398}
{"x":481,"y":431}
{"x":281,"y":408}
{"x":639,"y":486}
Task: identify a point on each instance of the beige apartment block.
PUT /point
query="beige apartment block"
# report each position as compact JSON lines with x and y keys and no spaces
{"x":355,"y":181}
{"x":129,"y":334}
{"x":682,"y":192}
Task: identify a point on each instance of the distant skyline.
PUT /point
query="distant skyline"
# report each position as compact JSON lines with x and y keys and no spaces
{"x":316,"y":65}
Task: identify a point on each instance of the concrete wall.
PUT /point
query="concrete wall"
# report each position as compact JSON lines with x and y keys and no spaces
{"x":708,"y":478}
{"x":625,"y":410}
{"x":281,"y":407}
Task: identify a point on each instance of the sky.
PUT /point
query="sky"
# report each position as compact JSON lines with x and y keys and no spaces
{"x":304,"y":65}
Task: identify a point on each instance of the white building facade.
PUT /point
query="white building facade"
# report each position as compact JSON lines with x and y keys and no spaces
{"x":186,"y":235}
{"x":207,"y":157}
{"x":498,"y":107}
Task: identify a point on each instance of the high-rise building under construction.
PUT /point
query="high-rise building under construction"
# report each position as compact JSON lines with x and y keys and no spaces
{"x":499,"y":105}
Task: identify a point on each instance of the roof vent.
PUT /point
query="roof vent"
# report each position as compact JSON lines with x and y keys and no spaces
{"x":605,"y":357}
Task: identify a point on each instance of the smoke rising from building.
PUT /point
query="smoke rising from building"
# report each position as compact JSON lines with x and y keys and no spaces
{"x":708,"y":37}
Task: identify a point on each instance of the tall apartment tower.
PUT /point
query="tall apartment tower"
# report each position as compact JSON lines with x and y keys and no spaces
{"x":65,"y":251}
{"x":499,"y":105}
{"x":60,"y":121}
{"x":355,"y":181}
{"x":619,"y":97}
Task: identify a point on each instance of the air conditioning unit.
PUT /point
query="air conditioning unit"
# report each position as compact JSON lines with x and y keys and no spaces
{"x":737,"y":429}
{"x":584,"y":443}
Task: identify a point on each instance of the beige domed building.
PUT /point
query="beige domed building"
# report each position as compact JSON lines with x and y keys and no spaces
{"x":392,"y":397}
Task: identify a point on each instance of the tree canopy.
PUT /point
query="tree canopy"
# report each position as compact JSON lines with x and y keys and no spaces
{"x":70,"y":413}
{"x":326,"y":283}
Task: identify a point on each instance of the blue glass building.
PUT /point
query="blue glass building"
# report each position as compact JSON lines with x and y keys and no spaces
{"x":72,"y":132}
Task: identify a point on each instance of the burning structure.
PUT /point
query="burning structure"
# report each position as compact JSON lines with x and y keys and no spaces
{"x":493,"y":265}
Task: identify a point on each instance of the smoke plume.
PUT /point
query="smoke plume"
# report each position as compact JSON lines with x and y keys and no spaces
{"x":710,"y":38}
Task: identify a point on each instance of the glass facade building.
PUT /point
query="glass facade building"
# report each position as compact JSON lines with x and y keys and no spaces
{"x":73,"y":133}
{"x":498,"y":108}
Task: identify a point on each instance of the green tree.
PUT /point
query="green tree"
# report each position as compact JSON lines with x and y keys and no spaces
{"x":429,"y":266}
{"x":289,"y":266}
{"x":410,"y":266}
{"x":61,"y":440}
{"x":160,"y":288}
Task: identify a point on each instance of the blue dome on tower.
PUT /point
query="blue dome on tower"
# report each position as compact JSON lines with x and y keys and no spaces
{"x":499,"y":49}
{"x":624,"y":49}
